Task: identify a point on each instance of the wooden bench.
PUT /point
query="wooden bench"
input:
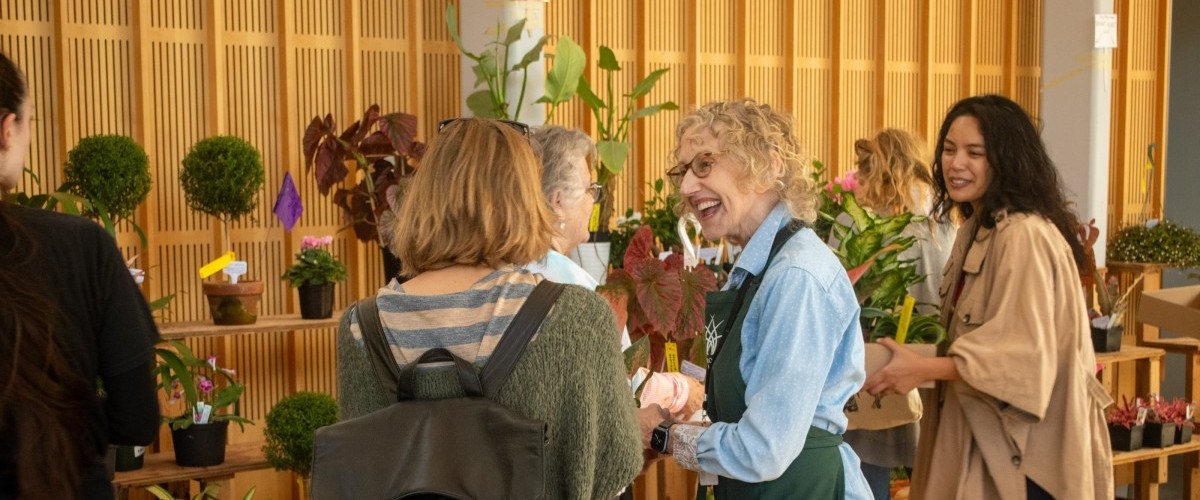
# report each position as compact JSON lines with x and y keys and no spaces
{"x":160,"y":469}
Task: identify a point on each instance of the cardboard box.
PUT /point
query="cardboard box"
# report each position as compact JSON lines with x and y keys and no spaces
{"x":878,"y":356}
{"x":1176,"y":310}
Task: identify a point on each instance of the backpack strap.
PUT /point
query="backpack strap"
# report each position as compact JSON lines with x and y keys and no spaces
{"x":508,"y":351}
{"x":516,"y":338}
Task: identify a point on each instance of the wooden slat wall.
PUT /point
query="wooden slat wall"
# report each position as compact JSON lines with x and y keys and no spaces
{"x":171,"y":72}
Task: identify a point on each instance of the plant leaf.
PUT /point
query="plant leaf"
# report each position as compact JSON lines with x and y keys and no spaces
{"x":534,"y":54}
{"x":613,"y":155}
{"x":653,"y":110}
{"x":400,"y":129}
{"x":481,"y":105}
{"x":330,"y":166}
{"x":370,"y":117}
{"x":608,"y":60}
{"x":514,"y":32}
{"x":452,"y":27}
{"x":641,"y":247}
{"x":637,"y":355}
{"x":658,"y":294}
{"x":316,"y":131}
{"x":693,"y":286}
{"x":647,"y":84}
{"x":562,"y":81}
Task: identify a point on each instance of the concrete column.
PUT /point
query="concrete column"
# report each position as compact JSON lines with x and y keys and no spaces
{"x":1077,"y":104}
{"x":479,"y":21}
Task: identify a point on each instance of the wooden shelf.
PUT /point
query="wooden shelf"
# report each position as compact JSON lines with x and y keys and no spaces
{"x":160,"y":468}
{"x":290,"y":322}
{"x":1129,"y":353}
{"x":1128,"y":457}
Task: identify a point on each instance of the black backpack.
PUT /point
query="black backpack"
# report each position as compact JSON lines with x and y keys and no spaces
{"x":464,"y":447}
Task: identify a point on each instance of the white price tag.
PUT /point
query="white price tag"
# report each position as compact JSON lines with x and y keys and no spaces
{"x":234,"y":270}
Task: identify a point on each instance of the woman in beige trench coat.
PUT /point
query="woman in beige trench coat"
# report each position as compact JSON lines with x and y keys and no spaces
{"x":1018,"y":412}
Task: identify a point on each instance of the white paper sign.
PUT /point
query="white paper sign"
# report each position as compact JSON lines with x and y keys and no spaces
{"x":1106,"y":31}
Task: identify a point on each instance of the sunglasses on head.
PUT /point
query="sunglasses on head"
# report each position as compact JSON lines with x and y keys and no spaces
{"x":518,"y":126}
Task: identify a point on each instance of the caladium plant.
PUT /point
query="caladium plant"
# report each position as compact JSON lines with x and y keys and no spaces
{"x":384,"y":153}
{"x":665,"y":300}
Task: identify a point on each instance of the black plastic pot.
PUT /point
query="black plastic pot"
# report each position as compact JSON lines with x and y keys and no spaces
{"x":316,"y":301}
{"x":1107,"y":339}
{"x":1183,"y":433}
{"x":1159,"y":435}
{"x":201,"y":444}
{"x":129,"y":458}
{"x":1125,"y":439}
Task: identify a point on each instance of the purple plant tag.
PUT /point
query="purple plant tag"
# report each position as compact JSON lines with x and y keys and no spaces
{"x":288,"y":206}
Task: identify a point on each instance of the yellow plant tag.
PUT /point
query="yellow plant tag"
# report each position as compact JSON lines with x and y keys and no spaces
{"x":671,"y":352}
{"x":594,"y":220}
{"x":905,"y":318}
{"x":212,"y":267}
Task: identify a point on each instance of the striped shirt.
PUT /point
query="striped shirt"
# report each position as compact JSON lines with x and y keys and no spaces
{"x":468,"y":323}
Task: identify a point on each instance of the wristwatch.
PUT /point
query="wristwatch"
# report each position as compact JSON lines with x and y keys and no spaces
{"x":661,"y":436}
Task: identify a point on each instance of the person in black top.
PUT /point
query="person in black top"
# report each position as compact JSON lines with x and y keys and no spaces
{"x":71,"y":321}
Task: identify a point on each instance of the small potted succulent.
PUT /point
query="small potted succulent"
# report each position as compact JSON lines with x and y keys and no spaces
{"x":1108,"y":320}
{"x":204,"y":390}
{"x":291,"y":424}
{"x":1126,"y":424}
{"x":221,"y":176}
{"x":313,"y":275}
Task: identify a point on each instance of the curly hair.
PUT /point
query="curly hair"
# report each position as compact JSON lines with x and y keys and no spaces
{"x":1024,"y":179}
{"x":758,"y":137}
{"x":893,"y":176}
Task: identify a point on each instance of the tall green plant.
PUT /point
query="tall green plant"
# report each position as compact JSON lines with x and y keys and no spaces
{"x":492,"y":70}
{"x":221,"y":177}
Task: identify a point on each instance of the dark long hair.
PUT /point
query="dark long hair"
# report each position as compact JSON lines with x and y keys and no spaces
{"x":1024,"y":178}
{"x":44,"y":402}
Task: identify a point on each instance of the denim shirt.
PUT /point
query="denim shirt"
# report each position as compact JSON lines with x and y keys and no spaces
{"x":802,"y":359}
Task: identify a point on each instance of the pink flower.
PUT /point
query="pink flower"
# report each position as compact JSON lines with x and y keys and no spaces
{"x":848,"y":181}
{"x":212,"y":361}
{"x":175,"y":395}
{"x":229,"y":371}
{"x":205,"y":384}
{"x":310,"y":242}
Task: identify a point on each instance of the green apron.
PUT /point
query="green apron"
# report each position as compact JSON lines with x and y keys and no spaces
{"x":817,"y":472}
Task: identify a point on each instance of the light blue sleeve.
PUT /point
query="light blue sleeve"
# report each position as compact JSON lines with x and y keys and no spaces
{"x":789,"y":341}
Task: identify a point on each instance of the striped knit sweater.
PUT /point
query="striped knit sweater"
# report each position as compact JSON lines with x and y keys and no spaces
{"x":571,"y":376}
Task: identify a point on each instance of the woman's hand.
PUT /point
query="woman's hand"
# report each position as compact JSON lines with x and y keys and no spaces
{"x":695,"y":398}
{"x":903,"y":373}
{"x":648,"y":418}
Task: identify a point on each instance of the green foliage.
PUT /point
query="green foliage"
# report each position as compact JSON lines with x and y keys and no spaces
{"x":211,"y":491}
{"x":658,"y":213}
{"x":290,"y":427}
{"x":221,"y":177}
{"x":185,"y":377}
{"x":111,"y":171}
{"x":922,"y":328}
{"x":1166,"y":243}
{"x":870,"y":249}
{"x":314,"y":266}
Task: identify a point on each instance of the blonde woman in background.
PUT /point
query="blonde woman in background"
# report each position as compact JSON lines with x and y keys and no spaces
{"x":893,"y":178}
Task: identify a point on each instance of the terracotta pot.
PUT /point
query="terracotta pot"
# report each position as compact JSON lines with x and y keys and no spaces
{"x":234,"y":303}
{"x":316,"y":301}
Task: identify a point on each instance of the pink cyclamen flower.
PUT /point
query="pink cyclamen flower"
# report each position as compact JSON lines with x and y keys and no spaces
{"x":848,"y":181}
{"x":309,"y":242}
{"x":205,"y":384}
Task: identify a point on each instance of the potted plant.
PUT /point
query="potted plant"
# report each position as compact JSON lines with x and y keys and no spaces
{"x":1162,"y":242}
{"x":1126,"y":425}
{"x":1160,"y":426}
{"x":1179,"y":412}
{"x":205,"y":391}
{"x":1107,"y":323}
{"x":113,"y":173}
{"x":313,"y":275}
{"x":663,"y":300}
{"x":384,"y":154}
{"x":221,"y":176}
{"x":211,"y":491}
{"x":289,"y":433}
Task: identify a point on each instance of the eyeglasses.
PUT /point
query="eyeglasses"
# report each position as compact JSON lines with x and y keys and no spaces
{"x":518,"y":126}
{"x":596,"y":191}
{"x":700,"y":165}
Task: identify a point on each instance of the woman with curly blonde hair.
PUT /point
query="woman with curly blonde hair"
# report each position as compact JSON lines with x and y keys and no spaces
{"x":785,"y":348}
{"x":894,"y":178}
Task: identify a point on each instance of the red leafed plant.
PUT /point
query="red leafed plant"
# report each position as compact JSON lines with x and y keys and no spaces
{"x":1125,"y":414}
{"x":1178,"y":411}
{"x":381,"y":147}
{"x":665,"y":301}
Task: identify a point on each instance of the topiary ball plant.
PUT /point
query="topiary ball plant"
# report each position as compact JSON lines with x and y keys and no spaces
{"x":290,"y":427}
{"x":110,"y":171}
{"x":221,"y":177}
{"x":1165,"y":243}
